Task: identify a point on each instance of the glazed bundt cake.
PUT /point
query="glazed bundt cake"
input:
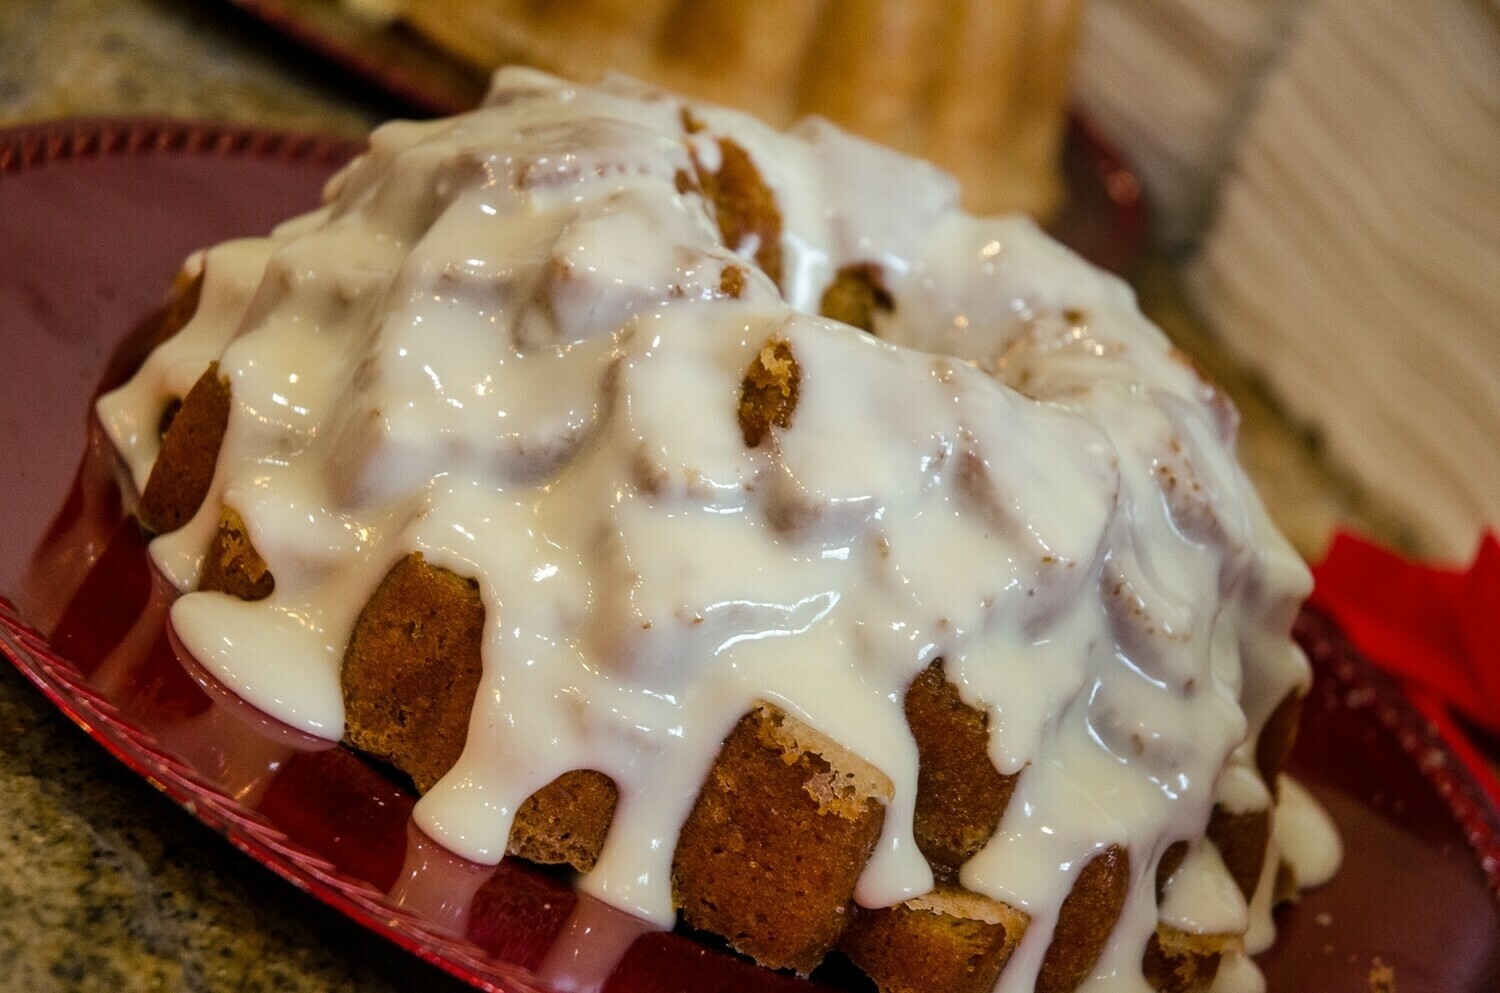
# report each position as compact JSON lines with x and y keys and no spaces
{"x":723,"y":513}
{"x":979,"y":87}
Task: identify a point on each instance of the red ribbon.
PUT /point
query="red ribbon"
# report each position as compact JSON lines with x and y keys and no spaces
{"x":1436,"y":630}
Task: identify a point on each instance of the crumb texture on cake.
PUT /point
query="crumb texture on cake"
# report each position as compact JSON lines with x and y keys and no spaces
{"x":723,"y":513}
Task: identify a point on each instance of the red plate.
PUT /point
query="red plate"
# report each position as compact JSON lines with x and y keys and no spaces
{"x":97,"y":217}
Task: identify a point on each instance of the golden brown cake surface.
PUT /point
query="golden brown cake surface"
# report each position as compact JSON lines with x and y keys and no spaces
{"x":410,"y":676}
{"x":960,"y":795}
{"x":768,"y":393}
{"x":856,"y":296}
{"x":189,"y":450}
{"x":232,"y":565}
{"x":1177,"y":962}
{"x":948,"y":940}
{"x":1084,"y":923}
{"x":566,"y":821}
{"x":778,"y":837}
{"x":412,"y":669}
{"x":744,"y":207}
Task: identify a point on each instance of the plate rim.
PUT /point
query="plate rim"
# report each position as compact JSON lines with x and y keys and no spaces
{"x":42,"y":143}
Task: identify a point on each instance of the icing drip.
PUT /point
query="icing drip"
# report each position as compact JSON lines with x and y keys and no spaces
{"x":1201,"y":898}
{"x":506,"y":342}
{"x":1309,"y":841}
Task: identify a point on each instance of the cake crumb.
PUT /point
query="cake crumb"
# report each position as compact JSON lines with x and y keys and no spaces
{"x":744,"y":207}
{"x":1382,"y":977}
{"x":768,"y":394}
{"x":856,"y":295}
{"x":232,"y":565}
{"x":732,"y":281}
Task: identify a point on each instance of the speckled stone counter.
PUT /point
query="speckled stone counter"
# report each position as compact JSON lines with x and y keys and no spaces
{"x":104,"y":884}
{"x":63,"y":58}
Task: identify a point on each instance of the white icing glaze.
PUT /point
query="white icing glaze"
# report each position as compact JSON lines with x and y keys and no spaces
{"x":1238,"y":974}
{"x":501,"y":343}
{"x":1201,"y":897}
{"x":1262,"y":931}
{"x":1309,"y":840}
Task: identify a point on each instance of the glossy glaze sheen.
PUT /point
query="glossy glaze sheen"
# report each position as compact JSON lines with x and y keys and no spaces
{"x":291,"y":835}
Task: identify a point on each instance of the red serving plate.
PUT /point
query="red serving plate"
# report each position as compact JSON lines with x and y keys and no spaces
{"x":97,"y":217}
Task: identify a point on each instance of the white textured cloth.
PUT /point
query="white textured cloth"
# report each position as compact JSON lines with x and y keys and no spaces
{"x":1354,"y":258}
{"x":1170,"y":82}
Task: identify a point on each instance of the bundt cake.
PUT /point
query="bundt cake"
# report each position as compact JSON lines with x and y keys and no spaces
{"x":979,"y":87}
{"x":723,"y":513}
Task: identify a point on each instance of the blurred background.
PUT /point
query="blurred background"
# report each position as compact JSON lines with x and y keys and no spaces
{"x":1321,"y":179}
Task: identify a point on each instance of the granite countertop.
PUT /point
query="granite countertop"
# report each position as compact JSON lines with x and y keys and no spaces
{"x":64,"y":58}
{"x":104,"y":883}
{"x":107,"y":885}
